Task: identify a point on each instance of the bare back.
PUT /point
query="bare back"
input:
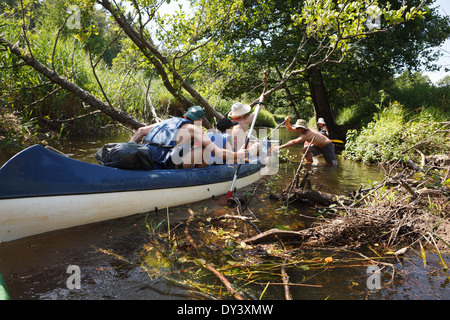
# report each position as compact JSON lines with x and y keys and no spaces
{"x":319,"y":139}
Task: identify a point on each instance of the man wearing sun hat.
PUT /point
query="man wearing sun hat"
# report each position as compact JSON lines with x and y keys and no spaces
{"x":322,"y":145}
{"x":171,"y":141}
{"x":239,"y":110}
{"x":322,"y":127}
{"x":241,"y":113}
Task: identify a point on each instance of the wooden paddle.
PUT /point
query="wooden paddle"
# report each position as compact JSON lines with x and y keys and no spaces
{"x":294,"y":181}
{"x":278,"y":126}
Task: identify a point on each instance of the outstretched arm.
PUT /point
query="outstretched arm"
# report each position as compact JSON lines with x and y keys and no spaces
{"x":207,"y":144}
{"x":289,"y":143}
{"x":141,"y":133}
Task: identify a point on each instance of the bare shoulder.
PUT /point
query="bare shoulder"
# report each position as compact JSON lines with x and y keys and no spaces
{"x":249,"y":119}
{"x":146,"y":129}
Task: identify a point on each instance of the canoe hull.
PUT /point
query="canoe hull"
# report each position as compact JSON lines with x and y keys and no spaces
{"x":26,"y":216}
{"x":44,"y":214}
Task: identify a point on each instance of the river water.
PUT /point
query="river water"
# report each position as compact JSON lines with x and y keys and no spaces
{"x":107,"y":253}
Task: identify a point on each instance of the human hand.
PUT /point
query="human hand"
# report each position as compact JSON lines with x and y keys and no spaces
{"x":241,"y":155}
{"x":274,"y":149}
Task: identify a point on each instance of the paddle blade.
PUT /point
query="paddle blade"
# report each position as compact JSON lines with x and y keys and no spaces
{"x":223,"y":201}
{"x":227,"y":200}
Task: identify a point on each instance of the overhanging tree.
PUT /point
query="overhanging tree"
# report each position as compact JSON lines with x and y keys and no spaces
{"x":335,"y":33}
{"x":327,"y":31}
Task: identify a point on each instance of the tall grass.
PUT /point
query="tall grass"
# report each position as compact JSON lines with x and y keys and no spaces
{"x":394,"y":133}
{"x":30,"y":94}
{"x":357,"y":115}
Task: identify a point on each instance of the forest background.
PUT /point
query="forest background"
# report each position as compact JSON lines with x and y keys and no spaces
{"x":71,"y":68}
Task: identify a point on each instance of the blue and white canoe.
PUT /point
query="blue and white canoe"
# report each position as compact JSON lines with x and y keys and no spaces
{"x":42,"y":191}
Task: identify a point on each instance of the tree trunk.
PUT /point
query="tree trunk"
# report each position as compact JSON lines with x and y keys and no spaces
{"x":64,"y":83}
{"x":321,"y":104}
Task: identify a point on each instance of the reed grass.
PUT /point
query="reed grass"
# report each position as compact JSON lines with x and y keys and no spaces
{"x":394,"y":131}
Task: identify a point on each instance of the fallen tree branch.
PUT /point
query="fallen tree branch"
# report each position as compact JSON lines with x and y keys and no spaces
{"x":287,"y":293}
{"x":277,"y":234}
{"x":224,"y":280}
{"x":408,"y":188}
{"x":316,"y":197}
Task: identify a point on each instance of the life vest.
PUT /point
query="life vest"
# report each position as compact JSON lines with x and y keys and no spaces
{"x":161,"y":141}
{"x":164,"y":133}
{"x":220,"y":139}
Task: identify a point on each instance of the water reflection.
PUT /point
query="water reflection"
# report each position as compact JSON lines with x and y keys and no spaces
{"x":347,"y":176}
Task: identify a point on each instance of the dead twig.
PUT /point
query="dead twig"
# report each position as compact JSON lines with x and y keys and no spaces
{"x":287,"y":293}
{"x":233,"y":217}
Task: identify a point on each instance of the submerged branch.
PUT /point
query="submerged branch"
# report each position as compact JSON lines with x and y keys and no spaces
{"x":390,"y":217}
{"x":207,"y":265}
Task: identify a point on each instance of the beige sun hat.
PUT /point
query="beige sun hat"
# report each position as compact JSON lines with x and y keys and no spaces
{"x":321,"y":120}
{"x":239,"y":109}
{"x":300,"y":124}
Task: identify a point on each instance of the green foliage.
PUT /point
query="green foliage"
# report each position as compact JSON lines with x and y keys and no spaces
{"x":414,"y":90}
{"x":380,"y":140}
{"x":195,"y":46}
{"x":357,"y":115}
{"x":395,"y":134}
{"x":279,"y":117}
{"x":218,"y":47}
{"x":265,"y":119}
{"x":124,"y":77}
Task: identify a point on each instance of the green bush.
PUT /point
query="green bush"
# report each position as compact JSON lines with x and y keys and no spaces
{"x":414,"y":90}
{"x":357,"y":115}
{"x":395,"y":134}
{"x":265,"y":119}
{"x":279,"y":117}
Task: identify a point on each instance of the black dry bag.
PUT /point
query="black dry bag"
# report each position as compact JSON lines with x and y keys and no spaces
{"x":128,"y":155}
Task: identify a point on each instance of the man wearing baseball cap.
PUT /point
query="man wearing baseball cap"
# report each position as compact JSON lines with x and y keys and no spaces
{"x":194,"y":113}
{"x":171,"y":141}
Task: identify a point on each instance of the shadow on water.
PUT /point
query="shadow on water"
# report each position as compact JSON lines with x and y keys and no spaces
{"x":109,"y":254}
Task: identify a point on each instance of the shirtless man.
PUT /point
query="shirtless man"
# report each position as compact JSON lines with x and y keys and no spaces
{"x":322,"y":145}
{"x":240,"y":113}
{"x":321,"y":128}
{"x":171,"y":142}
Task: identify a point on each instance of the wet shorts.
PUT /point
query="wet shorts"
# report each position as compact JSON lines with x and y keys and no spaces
{"x":327,"y":151}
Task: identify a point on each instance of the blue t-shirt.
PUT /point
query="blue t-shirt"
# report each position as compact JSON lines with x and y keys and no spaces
{"x":220,"y":139}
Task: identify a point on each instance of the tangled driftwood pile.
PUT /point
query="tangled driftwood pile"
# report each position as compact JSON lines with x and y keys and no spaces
{"x":404,"y":209}
{"x":399,"y":211}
